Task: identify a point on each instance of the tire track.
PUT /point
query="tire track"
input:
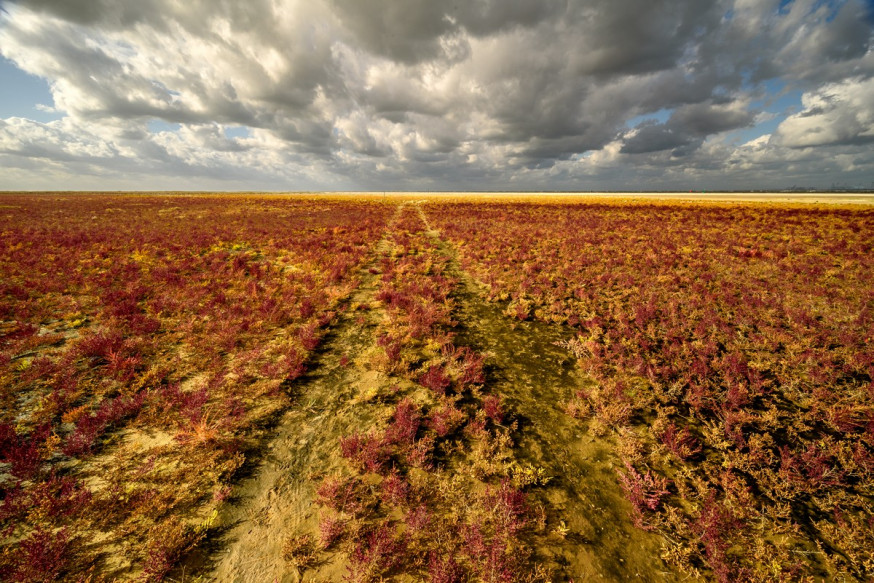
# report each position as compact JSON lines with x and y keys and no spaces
{"x":277,"y":500}
{"x":536,"y":378}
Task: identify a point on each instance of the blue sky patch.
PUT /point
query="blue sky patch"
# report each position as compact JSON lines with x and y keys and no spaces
{"x":21,"y":92}
{"x":869,"y":4}
{"x":661,"y":116}
{"x":785,"y":6}
{"x":158,"y":125}
{"x":232,"y":132}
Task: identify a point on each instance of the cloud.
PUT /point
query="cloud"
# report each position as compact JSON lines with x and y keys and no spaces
{"x":431,"y":93}
{"x":687,"y":128}
{"x":836,"y":114}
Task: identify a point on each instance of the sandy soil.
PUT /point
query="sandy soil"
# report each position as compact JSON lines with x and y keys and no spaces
{"x":533,"y":375}
{"x":536,"y":377}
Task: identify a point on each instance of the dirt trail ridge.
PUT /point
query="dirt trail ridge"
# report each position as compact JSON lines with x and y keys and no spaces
{"x":524,"y":366}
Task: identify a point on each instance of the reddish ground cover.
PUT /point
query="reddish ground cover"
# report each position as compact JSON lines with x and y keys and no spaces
{"x":733,"y":349}
{"x":143,"y":341}
{"x":434,"y":493}
{"x":149,"y":343}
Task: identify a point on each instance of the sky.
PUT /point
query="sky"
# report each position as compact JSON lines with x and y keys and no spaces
{"x":568,"y":95}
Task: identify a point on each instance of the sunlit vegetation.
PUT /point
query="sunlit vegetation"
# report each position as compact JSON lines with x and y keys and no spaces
{"x":720,"y":355}
{"x":434,"y":491}
{"x":144,"y":341}
{"x":731,"y":349}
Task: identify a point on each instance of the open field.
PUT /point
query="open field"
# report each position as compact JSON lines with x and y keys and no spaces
{"x":824,"y":198}
{"x":781,"y":197}
{"x":436,"y":387}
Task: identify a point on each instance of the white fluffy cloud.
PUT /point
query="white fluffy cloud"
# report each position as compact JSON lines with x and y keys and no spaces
{"x":430,"y":94}
{"x":835,"y":114}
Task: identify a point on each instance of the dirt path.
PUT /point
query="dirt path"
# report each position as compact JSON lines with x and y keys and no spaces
{"x":277,"y":500}
{"x":524,"y":366}
{"x":536,"y":377}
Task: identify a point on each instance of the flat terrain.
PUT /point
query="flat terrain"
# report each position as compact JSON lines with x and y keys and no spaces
{"x":864,"y":198}
{"x":493,"y":387}
{"x":778,"y":197}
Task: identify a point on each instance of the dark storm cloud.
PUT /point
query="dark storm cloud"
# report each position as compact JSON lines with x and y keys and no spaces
{"x":191,"y":14}
{"x":687,"y":127}
{"x":402,"y":31}
{"x":410,"y":31}
{"x":502,"y":92}
{"x":654,"y":137}
{"x":807,"y":40}
{"x":630,"y":37}
{"x":88,"y":11}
